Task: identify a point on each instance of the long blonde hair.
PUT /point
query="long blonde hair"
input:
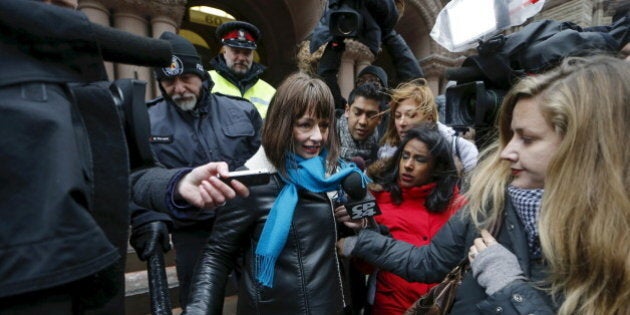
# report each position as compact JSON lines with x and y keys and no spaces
{"x":585,"y":215}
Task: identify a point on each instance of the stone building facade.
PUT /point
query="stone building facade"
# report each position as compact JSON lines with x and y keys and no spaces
{"x":285,"y":24}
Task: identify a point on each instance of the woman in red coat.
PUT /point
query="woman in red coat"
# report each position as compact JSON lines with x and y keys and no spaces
{"x":417,"y":193}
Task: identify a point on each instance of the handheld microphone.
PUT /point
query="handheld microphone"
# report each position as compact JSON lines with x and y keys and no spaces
{"x":360,"y":203}
{"x":28,"y":22}
{"x":128,"y":48}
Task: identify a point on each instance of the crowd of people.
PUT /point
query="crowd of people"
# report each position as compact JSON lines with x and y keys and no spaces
{"x":541,"y":214}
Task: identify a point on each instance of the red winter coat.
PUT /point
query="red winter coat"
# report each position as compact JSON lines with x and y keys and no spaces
{"x":413,"y":223}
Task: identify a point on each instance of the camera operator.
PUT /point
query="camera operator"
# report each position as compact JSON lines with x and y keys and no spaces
{"x":63,"y":206}
{"x":378,"y":18}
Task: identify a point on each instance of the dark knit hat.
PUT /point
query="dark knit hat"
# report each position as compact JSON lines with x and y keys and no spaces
{"x":377,"y":71}
{"x":185,"y":58}
{"x":238,"y":34}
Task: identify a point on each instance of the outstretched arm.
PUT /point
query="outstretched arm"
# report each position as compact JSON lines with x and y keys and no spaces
{"x":159,"y":188}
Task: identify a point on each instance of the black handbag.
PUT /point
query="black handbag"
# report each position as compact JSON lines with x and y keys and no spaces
{"x":439,"y":300}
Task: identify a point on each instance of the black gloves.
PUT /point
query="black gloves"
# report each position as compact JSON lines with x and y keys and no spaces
{"x":147,"y":238}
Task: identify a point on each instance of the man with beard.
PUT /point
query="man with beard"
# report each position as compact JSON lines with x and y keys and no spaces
{"x":190,"y":127}
{"x":235,"y":72}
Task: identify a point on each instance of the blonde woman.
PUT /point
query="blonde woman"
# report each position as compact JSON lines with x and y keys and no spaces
{"x":412,"y":103}
{"x":563,"y":135}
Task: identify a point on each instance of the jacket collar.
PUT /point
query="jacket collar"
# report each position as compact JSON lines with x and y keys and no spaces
{"x":244,"y":83}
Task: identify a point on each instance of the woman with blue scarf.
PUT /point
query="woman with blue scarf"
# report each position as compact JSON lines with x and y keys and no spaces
{"x":285,"y":230}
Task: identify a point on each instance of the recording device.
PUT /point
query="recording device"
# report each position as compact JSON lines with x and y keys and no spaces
{"x":359,"y":203}
{"x":125,"y":47}
{"x":484,"y":79}
{"x":249,"y":177}
{"x":345,"y":20}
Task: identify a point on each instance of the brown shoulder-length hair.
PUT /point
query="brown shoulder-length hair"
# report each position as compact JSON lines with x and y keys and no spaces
{"x":299,"y":94}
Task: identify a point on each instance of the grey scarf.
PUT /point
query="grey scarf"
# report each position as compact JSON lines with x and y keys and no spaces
{"x":350,"y":148}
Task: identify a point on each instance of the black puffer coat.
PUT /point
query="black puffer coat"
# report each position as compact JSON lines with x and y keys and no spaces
{"x":449,"y":246}
{"x":307,"y":274}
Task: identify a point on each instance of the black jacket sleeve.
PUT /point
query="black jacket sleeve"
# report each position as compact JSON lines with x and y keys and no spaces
{"x":233,"y":226}
{"x":150,"y":186}
{"x":405,"y":63}
{"x":428,"y":264}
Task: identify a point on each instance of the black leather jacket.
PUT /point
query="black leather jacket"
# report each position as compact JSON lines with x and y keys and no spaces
{"x":307,"y":273}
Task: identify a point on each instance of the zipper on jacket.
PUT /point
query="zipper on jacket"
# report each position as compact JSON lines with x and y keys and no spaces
{"x":332,"y":210}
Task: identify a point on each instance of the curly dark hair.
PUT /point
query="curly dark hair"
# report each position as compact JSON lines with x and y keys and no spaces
{"x":444,"y":172}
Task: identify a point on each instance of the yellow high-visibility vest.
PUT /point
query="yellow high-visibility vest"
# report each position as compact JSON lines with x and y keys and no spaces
{"x":259,"y":94}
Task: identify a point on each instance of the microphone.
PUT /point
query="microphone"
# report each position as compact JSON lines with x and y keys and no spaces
{"x":29,"y":22}
{"x":360,"y":203}
{"x":124,"y":47}
{"x":353,"y":186}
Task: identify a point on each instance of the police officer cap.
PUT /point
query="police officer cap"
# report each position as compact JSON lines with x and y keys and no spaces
{"x":185,"y":58}
{"x":238,"y":34}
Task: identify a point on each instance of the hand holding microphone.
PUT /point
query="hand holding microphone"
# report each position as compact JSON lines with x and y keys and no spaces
{"x":357,"y":207}
{"x":341,"y":215}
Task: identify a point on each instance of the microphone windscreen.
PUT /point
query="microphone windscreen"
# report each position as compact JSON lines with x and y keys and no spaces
{"x":353,"y":186}
{"x":124,"y":47}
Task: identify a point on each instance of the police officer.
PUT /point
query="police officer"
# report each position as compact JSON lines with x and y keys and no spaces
{"x":191,"y":127}
{"x":235,"y":72}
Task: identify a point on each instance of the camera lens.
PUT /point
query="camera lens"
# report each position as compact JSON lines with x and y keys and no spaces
{"x":346,"y":24}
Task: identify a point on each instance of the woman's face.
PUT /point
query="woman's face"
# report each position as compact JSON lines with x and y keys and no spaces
{"x":309,"y":135}
{"x":416,"y":165}
{"x":406,"y":116}
{"x":532,"y":145}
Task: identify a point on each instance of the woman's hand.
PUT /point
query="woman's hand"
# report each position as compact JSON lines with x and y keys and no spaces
{"x":493,"y":265}
{"x":480,"y":244}
{"x":341,"y":215}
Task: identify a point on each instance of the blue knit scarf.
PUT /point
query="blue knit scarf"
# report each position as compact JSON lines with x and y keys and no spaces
{"x":310,"y":174}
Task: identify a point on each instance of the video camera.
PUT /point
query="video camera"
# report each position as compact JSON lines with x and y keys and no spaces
{"x":345,"y":19}
{"x":484,"y":79}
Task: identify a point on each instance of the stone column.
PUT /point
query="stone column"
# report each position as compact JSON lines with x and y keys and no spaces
{"x":434,"y":66}
{"x":345,"y":77}
{"x":135,"y":24}
{"x":159,"y":25}
{"x":166,"y":15}
{"x":355,"y":57}
{"x":98,"y":14}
